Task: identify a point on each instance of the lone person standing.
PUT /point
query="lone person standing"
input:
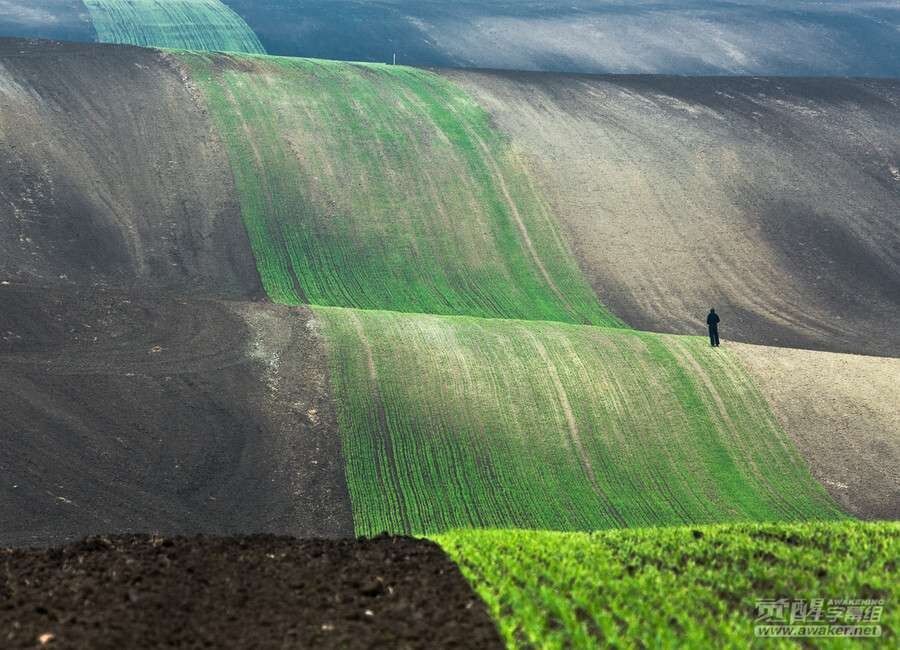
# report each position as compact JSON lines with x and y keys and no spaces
{"x":712,"y":320}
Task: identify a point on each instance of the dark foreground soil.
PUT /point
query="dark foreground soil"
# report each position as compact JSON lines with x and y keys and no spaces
{"x":241,"y":592}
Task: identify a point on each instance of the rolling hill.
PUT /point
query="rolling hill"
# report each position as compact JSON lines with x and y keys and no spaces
{"x":146,"y":412}
{"x":734,"y":37}
{"x":244,"y":294}
{"x":775,"y":200}
{"x":386,"y":187}
{"x":237,"y":183}
{"x":191,"y":24}
{"x":454,"y":422}
{"x":497,"y":194}
{"x":114,"y":176}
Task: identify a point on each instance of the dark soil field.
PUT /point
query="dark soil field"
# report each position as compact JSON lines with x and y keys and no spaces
{"x":239,"y":593}
{"x":112,"y":175}
{"x":126,"y":413}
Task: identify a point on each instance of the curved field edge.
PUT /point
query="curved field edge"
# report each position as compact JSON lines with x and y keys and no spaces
{"x":387,"y":187}
{"x":186,"y":24}
{"x":673,"y":207}
{"x":450,"y":422}
{"x":677,"y":587}
{"x":842,"y":412}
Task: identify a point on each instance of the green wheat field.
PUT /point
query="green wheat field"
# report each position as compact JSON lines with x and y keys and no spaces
{"x":188,"y":24}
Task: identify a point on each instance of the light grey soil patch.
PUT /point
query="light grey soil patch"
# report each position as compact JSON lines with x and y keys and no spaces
{"x":288,"y":343}
{"x":843,"y":413}
{"x":773,"y":200}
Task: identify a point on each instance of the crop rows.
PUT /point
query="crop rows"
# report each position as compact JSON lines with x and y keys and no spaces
{"x":187,"y":24}
{"x":451,"y":422}
{"x":674,"y":587}
{"x":386,"y":187}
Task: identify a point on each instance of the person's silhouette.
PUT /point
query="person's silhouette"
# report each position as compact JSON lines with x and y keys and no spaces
{"x":712,"y":320}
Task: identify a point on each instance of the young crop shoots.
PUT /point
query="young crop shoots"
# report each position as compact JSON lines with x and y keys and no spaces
{"x":387,"y":187}
{"x":450,"y":422}
{"x":696,"y":587}
{"x":184,"y":24}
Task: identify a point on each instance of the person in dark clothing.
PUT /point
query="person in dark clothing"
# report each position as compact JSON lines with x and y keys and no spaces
{"x":712,"y":320}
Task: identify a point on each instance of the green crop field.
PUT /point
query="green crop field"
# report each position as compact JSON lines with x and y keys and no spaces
{"x":675,"y":587}
{"x":187,"y":24}
{"x":483,"y":390}
{"x":450,"y":422}
{"x":386,"y":187}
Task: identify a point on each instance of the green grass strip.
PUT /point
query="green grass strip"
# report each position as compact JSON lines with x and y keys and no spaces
{"x":681,"y":587}
{"x":386,"y":187}
{"x":452,"y":422}
{"x":185,"y":24}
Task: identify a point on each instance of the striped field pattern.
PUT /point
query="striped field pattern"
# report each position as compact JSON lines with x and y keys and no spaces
{"x":453,"y":422}
{"x":184,"y":24}
{"x":386,"y":187}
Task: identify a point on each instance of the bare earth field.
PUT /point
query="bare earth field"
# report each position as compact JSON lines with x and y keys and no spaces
{"x":773,"y":200}
{"x":843,"y":413}
{"x":129,"y":592}
{"x":125,"y":413}
{"x":112,"y":175}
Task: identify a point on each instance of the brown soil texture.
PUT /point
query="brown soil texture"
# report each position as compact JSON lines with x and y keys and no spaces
{"x":774,"y":200}
{"x":124,"y":412}
{"x":112,"y":174}
{"x":241,"y":593}
{"x":843,"y":413}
